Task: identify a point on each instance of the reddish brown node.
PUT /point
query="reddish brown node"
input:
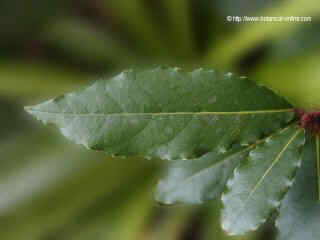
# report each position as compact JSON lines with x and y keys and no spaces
{"x":309,"y":121}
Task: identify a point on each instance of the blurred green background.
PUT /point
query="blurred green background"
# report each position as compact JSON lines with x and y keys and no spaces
{"x":51,"y":189}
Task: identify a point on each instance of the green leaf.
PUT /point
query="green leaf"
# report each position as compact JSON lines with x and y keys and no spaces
{"x":212,"y":229}
{"x":200,"y":179}
{"x":260,"y":183}
{"x":300,"y":210}
{"x":166,"y":113}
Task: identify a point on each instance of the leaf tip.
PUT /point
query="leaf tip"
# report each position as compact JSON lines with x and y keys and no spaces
{"x":29,"y":109}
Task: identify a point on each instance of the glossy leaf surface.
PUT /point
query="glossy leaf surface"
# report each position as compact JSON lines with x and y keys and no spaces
{"x":198,"y":180}
{"x":300,"y":211}
{"x":260,"y":183}
{"x":167,"y":113}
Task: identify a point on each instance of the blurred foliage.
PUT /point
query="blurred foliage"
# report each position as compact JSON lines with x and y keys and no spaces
{"x":52,"y":190}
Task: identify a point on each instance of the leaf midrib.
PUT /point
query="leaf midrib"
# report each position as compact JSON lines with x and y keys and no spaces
{"x":221,"y":161}
{"x":274,"y":162}
{"x":29,"y":109}
{"x":204,"y":170}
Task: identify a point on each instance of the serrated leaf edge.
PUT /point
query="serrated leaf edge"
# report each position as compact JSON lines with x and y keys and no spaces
{"x":290,"y":181}
{"x":189,"y":178}
{"x":36,"y":112}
